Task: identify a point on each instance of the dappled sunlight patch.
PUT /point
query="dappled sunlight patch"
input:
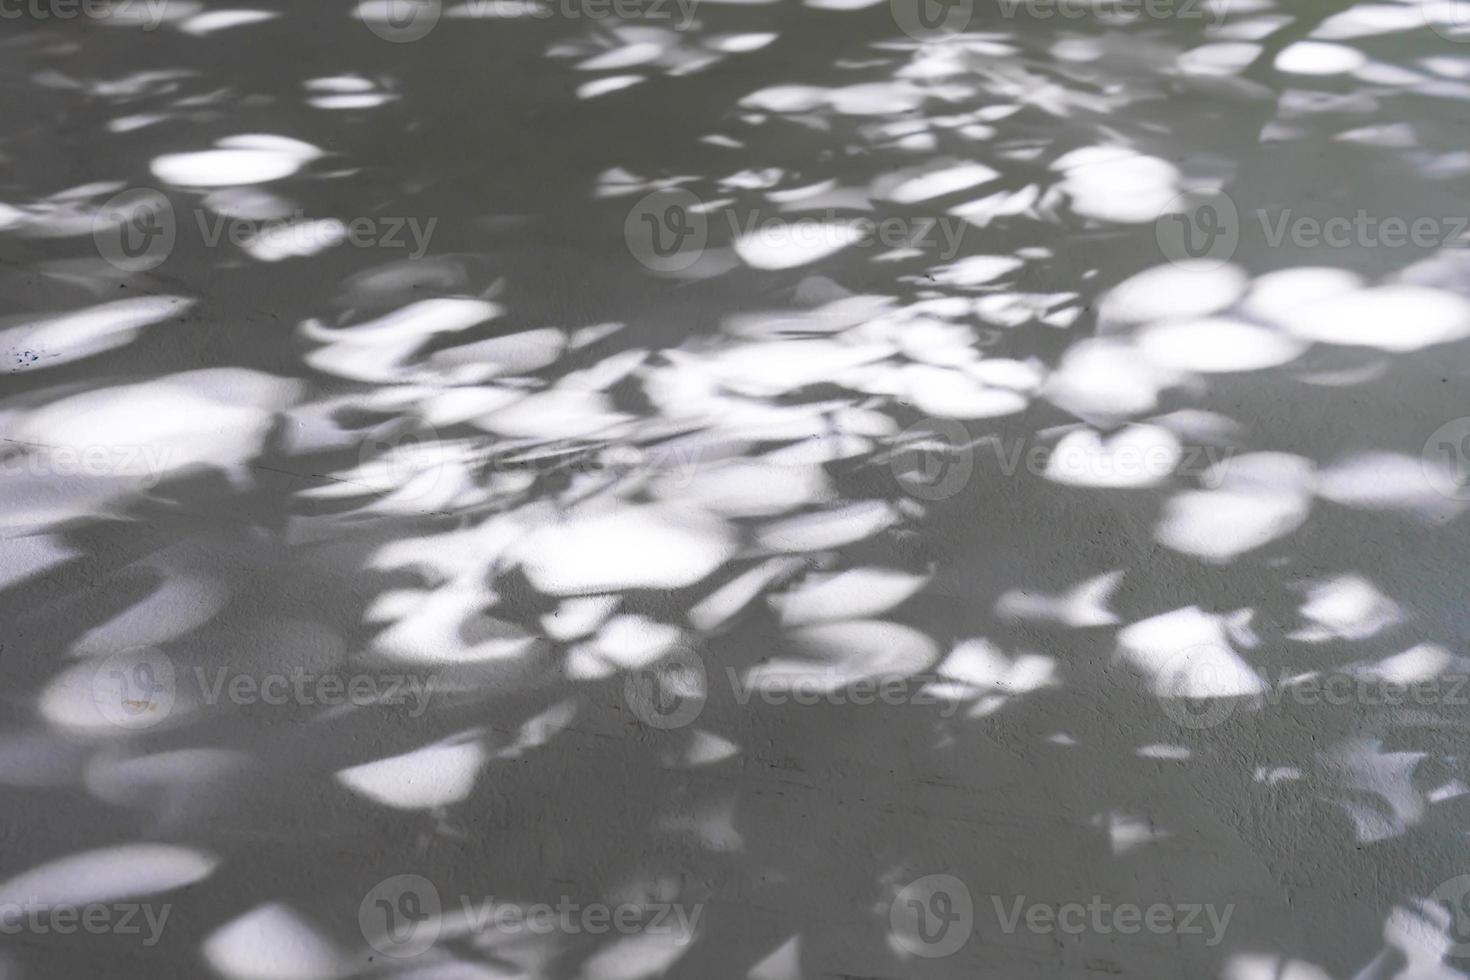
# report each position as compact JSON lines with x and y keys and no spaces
{"x":110,"y":874}
{"x":642,"y":956}
{"x":1083,"y":605}
{"x":451,"y":625}
{"x":764,"y":369}
{"x":1189,"y":653}
{"x":629,"y":547}
{"x":1268,"y":966}
{"x":434,"y":776}
{"x":222,"y":20}
{"x":630,"y":641}
{"x":377,"y":351}
{"x":1216,"y":345}
{"x":722,"y":606}
{"x":1117,"y":184}
{"x":1278,"y":296}
{"x":1128,"y":831}
{"x":603,"y":86}
{"x":1391,"y":317}
{"x":237,"y":160}
{"x":1378,"y":790}
{"x":274,"y":942}
{"x":557,"y":413}
{"x":939,"y":178}
{"x":836,"y":655}
{"x":1390,"y":481}
{"x":1219,"y":525}
{"x":67,"y":337}
{"x":1319,"y":58}
{"x":975,"y":270}
{"x":345,"y":92}
{"x":978,"y":671}
{"x":1223,"y":58}
{"x":1174,"y":291}
{"x":745,"y":488}
{"x":739,"y":43}
{"x":946,"y":393}
{"x":575,"y":618}
{"x":795,"y":244}
{"x":858,"y":593}
{"x":1135,"y":456}
{"x":217,"y":417}
{"x":1346,"y":607}
{"x":1107,"y":379}
{"x":832,"y":527}
{"x":179,"y":592}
